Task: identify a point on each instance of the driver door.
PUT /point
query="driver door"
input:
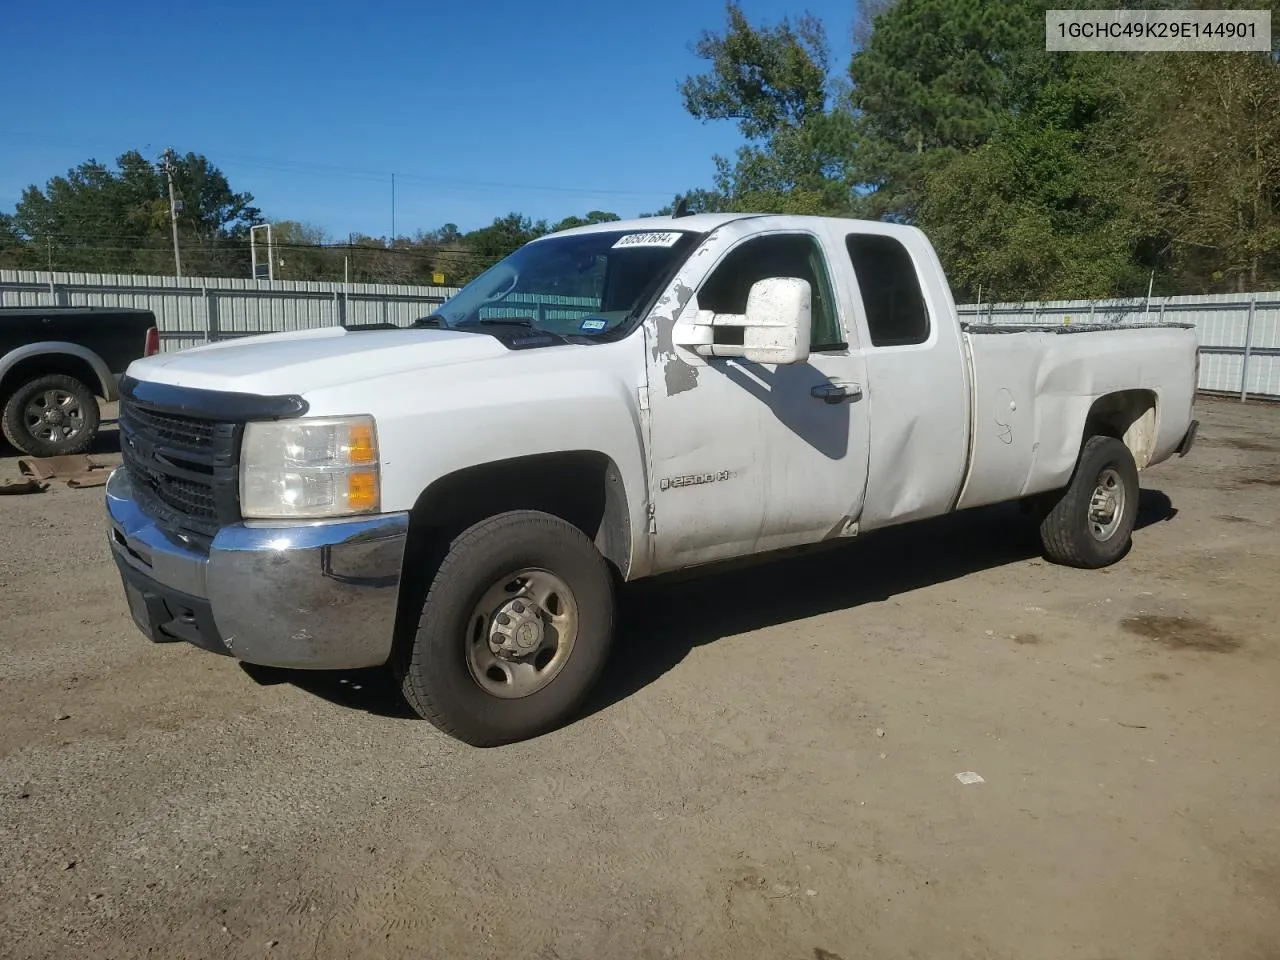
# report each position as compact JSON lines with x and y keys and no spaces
{"x":749,"y":457}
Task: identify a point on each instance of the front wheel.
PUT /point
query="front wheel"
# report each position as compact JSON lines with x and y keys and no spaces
{"x":515,"y":630}
{"x":1091,"y":524}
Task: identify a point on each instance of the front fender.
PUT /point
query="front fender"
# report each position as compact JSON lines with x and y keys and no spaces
{"x":439,"y":421}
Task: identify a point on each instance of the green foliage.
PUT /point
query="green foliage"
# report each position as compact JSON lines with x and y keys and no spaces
{"x":117,"y":220}
{"x":936,"y":78}
{"x":1209,"y":145}
{"x":765,"y":79}
{"x":775,"y":83}
{"x":1046,"y":208}
{"x":100,"y":219}
{"x":595,"y":216}
{"x":1035,"y":174}
{"x":490,"y":244}
{"x":696,"y":201}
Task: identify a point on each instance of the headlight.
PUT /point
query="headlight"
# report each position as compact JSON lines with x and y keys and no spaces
{"x":318,"y":467}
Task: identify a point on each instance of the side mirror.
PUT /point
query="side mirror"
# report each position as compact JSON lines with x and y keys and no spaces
{"x":775,"y":328}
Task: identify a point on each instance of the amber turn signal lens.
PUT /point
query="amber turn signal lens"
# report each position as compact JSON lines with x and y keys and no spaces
{"x":362,"y":490}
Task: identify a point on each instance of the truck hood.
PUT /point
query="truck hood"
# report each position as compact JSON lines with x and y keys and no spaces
{"x":304,"y":360}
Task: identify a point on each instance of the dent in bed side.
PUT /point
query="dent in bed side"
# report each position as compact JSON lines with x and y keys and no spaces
{"x":1038,"y":395}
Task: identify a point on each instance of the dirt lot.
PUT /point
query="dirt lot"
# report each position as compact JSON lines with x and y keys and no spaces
{"x":770,"y":771}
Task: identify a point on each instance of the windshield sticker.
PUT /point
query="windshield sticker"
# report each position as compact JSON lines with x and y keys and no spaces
{"x":668,"y":239}
{"x":595,"y":323}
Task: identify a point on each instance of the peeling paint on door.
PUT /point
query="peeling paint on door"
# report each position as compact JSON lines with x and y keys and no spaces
{"x":678,"y":375}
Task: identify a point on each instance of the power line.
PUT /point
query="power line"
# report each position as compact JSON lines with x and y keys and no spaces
{"x":287,"y":165}
{"x":133,"y":242}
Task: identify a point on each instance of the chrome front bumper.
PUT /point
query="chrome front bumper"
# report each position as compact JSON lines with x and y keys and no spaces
{"x":316,"y":595}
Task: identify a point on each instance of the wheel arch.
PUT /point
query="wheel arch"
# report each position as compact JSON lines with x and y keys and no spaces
{"x":1130,"y":416}
{"x":55,"y":357}
{"x":582,"y":487}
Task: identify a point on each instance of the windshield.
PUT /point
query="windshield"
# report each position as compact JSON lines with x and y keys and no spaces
{"x":578,"y":285}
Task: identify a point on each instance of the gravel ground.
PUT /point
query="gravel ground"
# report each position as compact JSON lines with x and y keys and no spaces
{"x":770,"y":770}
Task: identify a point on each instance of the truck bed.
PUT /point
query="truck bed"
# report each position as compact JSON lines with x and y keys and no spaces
{"x":1035,"y":387}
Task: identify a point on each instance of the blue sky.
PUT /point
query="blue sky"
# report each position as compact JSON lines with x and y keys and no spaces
{"x":480,"y":108}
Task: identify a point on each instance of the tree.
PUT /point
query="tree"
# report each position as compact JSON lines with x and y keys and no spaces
{"x":506,"y":234}
{"x":97,"y":218}
{"x":865,"y":23}
{"x":214,"y":220}
{"x":775,"y":83}
{"x":935,"y":78}
{"x":302,"y":252}
{"x":1048,"y":207}
{"x":695,"y":201}
{"x":1210,"y":159}
{"x":595,"y":216}
{"x":14,"y":254}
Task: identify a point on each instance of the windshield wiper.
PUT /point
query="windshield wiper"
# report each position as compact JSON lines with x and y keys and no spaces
{"x":506,"y":322}
{"x":431,"y":320}
{"x":526,"y":323}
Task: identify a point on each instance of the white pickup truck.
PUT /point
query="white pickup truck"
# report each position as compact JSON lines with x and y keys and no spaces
{"x":459,"y":499}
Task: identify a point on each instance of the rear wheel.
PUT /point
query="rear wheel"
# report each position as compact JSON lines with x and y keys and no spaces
{"x":1091,"y":524}
{"x":51,"y":416}
{"x":515,"y":630}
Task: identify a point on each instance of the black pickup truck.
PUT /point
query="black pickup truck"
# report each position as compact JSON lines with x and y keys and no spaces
{"x":56,"y":363}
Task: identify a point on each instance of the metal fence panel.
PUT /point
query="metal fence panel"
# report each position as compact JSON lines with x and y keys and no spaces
{"x":196,"y":310}
{"x":1239,"y":332}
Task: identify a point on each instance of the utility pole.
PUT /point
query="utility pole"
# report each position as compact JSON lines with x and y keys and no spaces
{"x":173,"y":212}
{"x":393,"y":210}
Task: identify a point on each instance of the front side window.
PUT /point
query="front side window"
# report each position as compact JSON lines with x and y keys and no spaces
{"x":891,"y":294}
{"x":775,"y":255}
{"x":581,"y":284}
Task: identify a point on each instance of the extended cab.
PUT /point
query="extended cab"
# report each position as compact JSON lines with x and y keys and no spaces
{"x":458,"y":499}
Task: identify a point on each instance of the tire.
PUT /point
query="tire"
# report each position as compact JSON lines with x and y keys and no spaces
{"x":38,"y":435}
{"x":1072,"y":533}
{"x":443,"y":672}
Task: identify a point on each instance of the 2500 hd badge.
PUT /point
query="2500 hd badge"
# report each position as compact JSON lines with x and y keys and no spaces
{"x":666,"y":483}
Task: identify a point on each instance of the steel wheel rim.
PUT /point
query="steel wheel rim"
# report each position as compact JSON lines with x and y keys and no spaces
{"x":521,"y":633}
{"x":1107,"y":505}
{"x":54,"y":416}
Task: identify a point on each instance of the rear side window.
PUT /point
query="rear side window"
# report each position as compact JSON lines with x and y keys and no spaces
{"x":896,"y":314}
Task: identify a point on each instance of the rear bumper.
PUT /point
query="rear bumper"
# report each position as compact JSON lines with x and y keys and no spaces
{"x":317,"y":595}
{"x":1189,"y":438}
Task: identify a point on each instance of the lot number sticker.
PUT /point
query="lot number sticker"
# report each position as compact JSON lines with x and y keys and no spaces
{"x":667,"y":239}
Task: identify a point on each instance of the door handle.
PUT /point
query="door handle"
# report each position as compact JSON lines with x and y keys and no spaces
{"x":837,"y":392}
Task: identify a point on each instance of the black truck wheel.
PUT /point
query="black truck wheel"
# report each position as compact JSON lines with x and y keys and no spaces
{"x":50,"y":416}
{"x":1091,"y":524}
{"x":514,"y":632}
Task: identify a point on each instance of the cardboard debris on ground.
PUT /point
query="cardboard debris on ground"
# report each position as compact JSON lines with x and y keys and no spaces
{"x":26,"y":485}
{"x":78,"y":470}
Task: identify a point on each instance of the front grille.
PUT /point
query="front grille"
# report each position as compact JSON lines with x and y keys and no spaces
{"x":194,"y":499}
{"x":183,"y":467}
{"x":175,"y":430}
